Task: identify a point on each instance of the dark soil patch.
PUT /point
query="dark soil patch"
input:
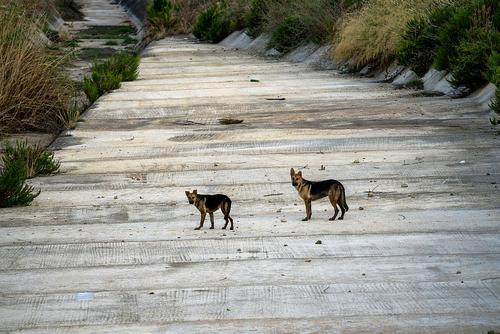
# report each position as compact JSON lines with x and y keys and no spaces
{"x":70,"y":10}
{"x":107,"y":32}
{"x":96,"y":53}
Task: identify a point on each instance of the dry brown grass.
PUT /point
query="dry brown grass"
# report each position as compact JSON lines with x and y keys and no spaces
{"x":34,"y":95}
{"x":371,"y":35}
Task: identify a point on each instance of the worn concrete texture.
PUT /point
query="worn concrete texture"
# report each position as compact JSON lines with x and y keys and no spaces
{"x":98,"y":13}
{"x":109,"y":244}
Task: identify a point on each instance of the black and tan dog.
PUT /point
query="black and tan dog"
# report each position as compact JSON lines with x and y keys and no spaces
{"x":310,"y":191}
{"x":209,"y":204}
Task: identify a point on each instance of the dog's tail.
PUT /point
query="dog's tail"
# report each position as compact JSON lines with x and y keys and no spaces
{"x":227,"y":206}
{"x":343,"y":202}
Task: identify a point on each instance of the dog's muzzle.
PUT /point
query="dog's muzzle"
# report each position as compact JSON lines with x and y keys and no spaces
{"x":294,"y":184}
{"x":191,"y":202}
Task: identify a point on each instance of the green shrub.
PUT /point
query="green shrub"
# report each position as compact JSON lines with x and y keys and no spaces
{"x":108,"y":75}
{"x":36,"y":160}
{"x":255,"y":18}
{"x":458,"y":39}
{"x":470,"y":65}
{"x":476,"y":14}
{"x":214,"y":23}
{"x":13,"y":190}
{"x":449,"y":37}
{"x":494,"y":77}
{"x":289,"y":34}
{"x":417,"y":47}
{"x":161,"y":16}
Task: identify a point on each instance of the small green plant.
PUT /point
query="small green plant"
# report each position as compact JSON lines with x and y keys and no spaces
{"x":129,"y":40}
{"x":73,"y":43}
{"x":289,"y":34}
{"x":36,"y":160}
{"x":214,"y":23}
{"x":111,"y":43}
{"x":13,"y":189}
{"x":415,"y":84}
{"x":107,"y":75}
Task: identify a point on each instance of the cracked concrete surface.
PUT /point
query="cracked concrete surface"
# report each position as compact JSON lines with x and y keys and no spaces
{"x":420,"y":254}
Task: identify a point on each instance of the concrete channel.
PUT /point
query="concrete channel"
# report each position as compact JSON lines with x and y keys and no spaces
{"x":109,"y":244}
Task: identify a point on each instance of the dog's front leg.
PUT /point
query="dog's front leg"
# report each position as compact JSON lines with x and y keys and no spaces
{"x":212,"y":222}
{"x":202,"y":220}
{"x":308,"y":210}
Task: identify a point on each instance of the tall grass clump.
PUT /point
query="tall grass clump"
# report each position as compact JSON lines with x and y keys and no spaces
{"x":372,"y":34}
{"x":13,"y":189}
{"x":36,"y":159}
{"x":34,"y":93}
{"x":21,"y":161}
{"x":108,"y":75}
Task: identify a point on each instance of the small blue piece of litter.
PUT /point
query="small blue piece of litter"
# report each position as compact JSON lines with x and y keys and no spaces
{"x":84,"y":296}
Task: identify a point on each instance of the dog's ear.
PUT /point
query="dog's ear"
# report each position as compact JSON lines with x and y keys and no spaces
{"x":187,"y":193}
{"x":300,"y":173}
{"x":292,"y":172}
{"x":195,"y":192}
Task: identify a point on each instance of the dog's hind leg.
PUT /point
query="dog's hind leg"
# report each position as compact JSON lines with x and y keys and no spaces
{"x":333,"y":196}
{"x":212,"y":222}
{"x":226,"y":209}
{"x":231,"y":219}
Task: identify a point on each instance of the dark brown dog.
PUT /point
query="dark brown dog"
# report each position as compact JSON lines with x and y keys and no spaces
{"x":209,"y":204}
{"x":310,"y":191}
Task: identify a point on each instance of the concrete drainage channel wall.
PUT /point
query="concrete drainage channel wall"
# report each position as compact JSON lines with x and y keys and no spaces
{"x":319,"y":57}
{"x":137,"y":11}
{"x":136,"y":7}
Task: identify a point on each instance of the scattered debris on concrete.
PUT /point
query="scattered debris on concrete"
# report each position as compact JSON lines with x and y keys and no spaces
{"x":228,"y":121}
